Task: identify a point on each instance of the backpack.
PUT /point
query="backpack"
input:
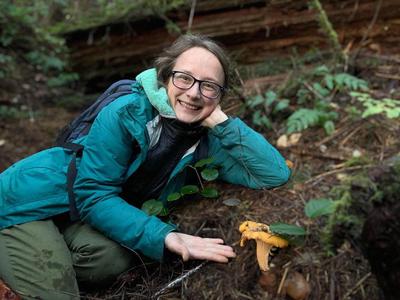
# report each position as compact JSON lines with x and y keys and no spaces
{"x":80,"y":126}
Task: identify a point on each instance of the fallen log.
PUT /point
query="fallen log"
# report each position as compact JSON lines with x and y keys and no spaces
{"x":253,"y":31}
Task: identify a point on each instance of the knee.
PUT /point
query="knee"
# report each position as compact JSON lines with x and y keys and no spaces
{"x":101,"y":260}
{"x":96,"y":263}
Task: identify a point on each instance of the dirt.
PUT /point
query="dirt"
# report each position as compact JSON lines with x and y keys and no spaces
{"x":343,"y":275}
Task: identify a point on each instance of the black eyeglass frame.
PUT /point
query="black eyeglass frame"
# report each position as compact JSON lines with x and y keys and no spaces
{"x":221,"y":89}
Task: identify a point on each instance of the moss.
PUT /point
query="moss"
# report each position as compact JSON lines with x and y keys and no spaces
{"x":327,"y":28}
{"x":357,"y":196}
{"x":81,"y":18}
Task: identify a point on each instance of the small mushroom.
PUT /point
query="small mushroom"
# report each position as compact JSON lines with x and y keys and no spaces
{"x":296,"y":286}
{"x":264,"y":238}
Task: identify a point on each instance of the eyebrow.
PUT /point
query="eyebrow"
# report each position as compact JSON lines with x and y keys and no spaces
{"x":205,"y":78}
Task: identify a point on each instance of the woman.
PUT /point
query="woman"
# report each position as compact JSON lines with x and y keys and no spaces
{"x":43,"y":256}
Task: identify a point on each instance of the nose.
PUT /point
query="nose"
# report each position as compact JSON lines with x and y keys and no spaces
{"x":194,"y":91}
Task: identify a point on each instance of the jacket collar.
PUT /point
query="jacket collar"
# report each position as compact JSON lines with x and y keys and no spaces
{"x":157,"y":95}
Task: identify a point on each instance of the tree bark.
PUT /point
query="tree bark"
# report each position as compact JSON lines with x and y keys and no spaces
{"x":253,"y":32}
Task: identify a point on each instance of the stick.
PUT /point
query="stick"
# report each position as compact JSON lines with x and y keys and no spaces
{"x":336,"y":171}
{"x":360,"y":282}
{"x":179,"y":279}
{"x":282,"y":281}
{"x":192,"y":9}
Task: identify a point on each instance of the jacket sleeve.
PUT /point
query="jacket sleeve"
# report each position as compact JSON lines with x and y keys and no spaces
{"x":245,"y":157}
{"x":105,"y":160}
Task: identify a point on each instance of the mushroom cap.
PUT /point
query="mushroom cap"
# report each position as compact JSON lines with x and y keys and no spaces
{"x":264,"y":237}
{"x":253,"y":226}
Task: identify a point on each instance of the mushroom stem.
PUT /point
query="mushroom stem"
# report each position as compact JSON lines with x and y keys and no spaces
{"x":263,"y":250}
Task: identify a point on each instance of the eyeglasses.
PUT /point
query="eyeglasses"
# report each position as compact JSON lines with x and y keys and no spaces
{"x":207,"y":88}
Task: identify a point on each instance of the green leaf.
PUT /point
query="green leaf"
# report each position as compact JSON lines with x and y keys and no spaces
{"x":173,"y":197}
{"x":209,"y":174}
{"x":318,"y":207}
{"x":321,"y":90}
{"x":256,"y":100}
{"x":270,"y":97}
{"x":281,"y":105}
{"x":329,"y":127}
{"x":189,"y":189}
{"x":321,"y":70}
{"x":203,"y":162}
{"x":329,"y":82}
{"x":152,"y":207}
{"x":209,"y":192}
{"x":287,"y":229}
{"x":164,"y":212}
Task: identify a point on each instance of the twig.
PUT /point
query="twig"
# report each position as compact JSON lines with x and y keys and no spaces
{"x":337,"y":132}
{"x":178,"y":280}
{"x":309,"y":152}
{"x":336,"y":171}
{"x":192,"y":10}
{"x":358,"y":284}
{"x":389,"y":76}
{"x":282,"y":281}
{"x":198,"y":176}
{"x":332,"y":283}
{"x":357,"y":129}
{"x":371,"y":24}
{"x":312,"y":90}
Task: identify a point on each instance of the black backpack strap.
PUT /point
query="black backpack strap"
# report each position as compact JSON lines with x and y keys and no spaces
{"x":71,"y":176}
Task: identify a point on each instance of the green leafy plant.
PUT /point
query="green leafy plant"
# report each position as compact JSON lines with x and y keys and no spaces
{"x":318,"y":207}
{"x":386,"y":106}
{"x":264,"y":106}
{"x":314,"y":90}
{"x":203,"y":172}
{"x":313,"y":209}
{"x":305,"y":118}
{"x":7,"y":112}
{"x":30,"y":53}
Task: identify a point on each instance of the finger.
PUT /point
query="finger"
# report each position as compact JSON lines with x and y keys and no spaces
{"x":214,"y":240}
{"x":213,"y":254}
{"x":219,"y":247}
{"x":185,"y":254}
{"x":213,"y":257}
{"x":227,"y":252}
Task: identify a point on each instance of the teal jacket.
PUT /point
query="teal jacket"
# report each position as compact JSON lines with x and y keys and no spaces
{"x":35,"y":187}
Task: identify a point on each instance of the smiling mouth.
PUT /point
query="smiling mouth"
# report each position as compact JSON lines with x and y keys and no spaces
{"x":189,"y":106}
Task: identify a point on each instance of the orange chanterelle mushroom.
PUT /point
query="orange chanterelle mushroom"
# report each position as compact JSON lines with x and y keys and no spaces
{"x":264,"y":238}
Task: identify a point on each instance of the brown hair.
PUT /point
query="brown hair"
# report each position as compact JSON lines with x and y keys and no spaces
{"x":166,"y":61}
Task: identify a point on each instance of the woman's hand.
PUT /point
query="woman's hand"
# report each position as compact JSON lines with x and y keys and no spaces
{"x":194,"y":247}
{"x":217,"y":116}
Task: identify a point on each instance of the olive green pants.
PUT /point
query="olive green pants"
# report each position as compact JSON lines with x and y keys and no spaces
{"x":39,"y":262}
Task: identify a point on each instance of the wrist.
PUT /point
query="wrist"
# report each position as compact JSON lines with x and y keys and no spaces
{"x":215,"y":118}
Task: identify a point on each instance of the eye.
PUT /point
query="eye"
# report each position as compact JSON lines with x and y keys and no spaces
{"x":184,"y":78}
{"x":209,"y":86}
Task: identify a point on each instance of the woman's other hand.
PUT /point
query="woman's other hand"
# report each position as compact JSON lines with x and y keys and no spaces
{"x":194,"y":247}
{"x":217,"y":116}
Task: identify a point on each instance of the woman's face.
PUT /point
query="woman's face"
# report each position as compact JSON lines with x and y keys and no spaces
{"x":190,"y":105}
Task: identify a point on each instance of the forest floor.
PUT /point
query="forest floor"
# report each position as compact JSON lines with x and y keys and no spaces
{"x":342,"y":275}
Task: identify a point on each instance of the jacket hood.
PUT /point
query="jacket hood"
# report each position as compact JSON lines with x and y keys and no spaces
{"x":157,"y":95}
